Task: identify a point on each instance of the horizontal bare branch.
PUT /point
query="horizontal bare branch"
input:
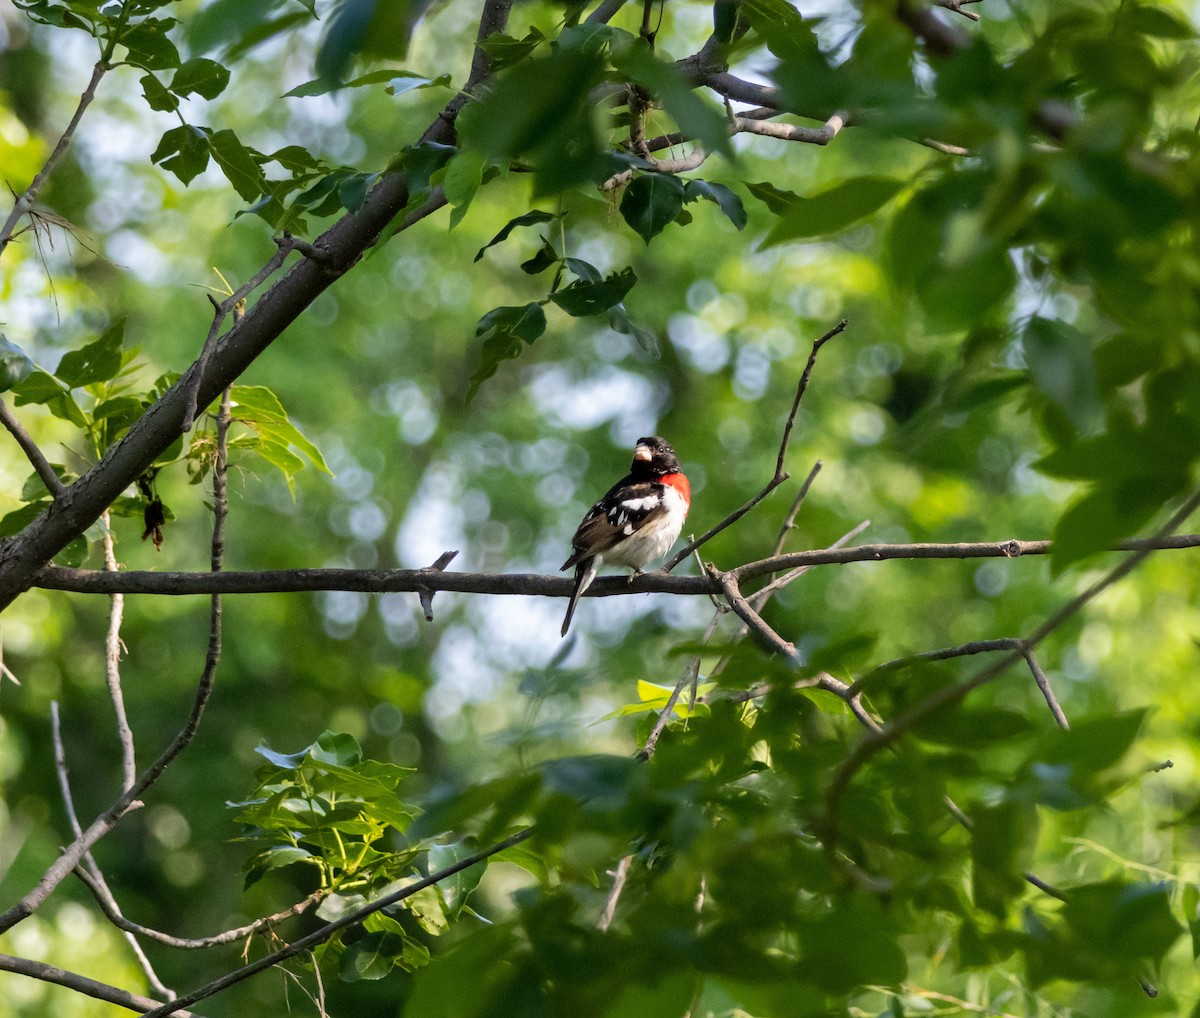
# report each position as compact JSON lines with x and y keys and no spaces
{"x":380,"y":581}
{"x":822,"y":135}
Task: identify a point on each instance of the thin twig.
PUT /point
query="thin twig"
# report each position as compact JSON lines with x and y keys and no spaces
{"x":89,"y":870}
{"x":780,"y":474}
{"x":801,"y":389}
{"x":759,"y":600}
{"x":614,"y":893}
{"x":1043,"y":683}
{"x":690,"y":672}
{"x":789,"y":521}
{"x":28,"y":197}
{"x":777,"y":643}
{"x":232,"y":304}
{"x":957,"y":7}
{"x":822,"y":135}
{"x":114,"y":915}
{"x":112,"y":664}
{"x":35,"y":456}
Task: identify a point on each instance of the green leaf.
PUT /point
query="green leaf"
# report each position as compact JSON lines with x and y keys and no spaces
{"x":503,"y":331}
{"x":464,"y":175}
{"x":238,"y":165}
{"x":1003,"y":837}
{"x":1122,"y":920}
{"x":404,"y":83}
{"x":259,"y":408}
{"x":1095,"y":744}
{"x":1063,"y":367}
{"x":1109,"y":512}
{"x":650,"y":202}
{"x":372,"y":956}
{"x":851,"y":944}
{"x":74,"y":554}
{"x":148,"y":46}
{"x":336,"y":748}
{"x":19,"y":519}
{"x":34,"y":488}
{"x":540,"y":111}
{"x":721,"y":196}
{"x":288,"y":761}
{"x":581,"y":298}
{"x":421,"y":161}
{"x":352,"y":190}
{"x":157,"y":95}
{"x":184,"y":151}
{"x":200,"y":76}
{"x":15,"y":364}
{"x":463,"y":980}
{"x":528,"y":219}
{"x":833,"y":210}
{"x":282,"y":458}
{"x":545,"y":257}
{"x":1191,"y":912}
{"x":583,"y":270}
{"x":97,"y":362}
{"x":272,"y":859}
{"x":1157,"y":22}
{"x":787,"y":35}
{"x":776,"y":199}
{"x":456,"y":889}
{"x":619,"y":320}
{"x":40,"y":387}
{"x":526,"y":322}
{"x":505,"y":51}
{"x":379,"y":28}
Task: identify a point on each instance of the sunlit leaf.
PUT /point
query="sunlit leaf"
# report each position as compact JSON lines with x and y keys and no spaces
{"x":833,"y":210}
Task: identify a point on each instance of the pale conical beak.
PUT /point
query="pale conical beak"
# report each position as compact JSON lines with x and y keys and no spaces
{"x":642,"y":452}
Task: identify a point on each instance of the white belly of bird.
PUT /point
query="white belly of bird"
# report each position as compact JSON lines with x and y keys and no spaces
{"x":654,"y":540}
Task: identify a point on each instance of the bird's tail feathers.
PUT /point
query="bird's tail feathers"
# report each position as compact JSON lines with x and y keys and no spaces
{"x":585,"y":572}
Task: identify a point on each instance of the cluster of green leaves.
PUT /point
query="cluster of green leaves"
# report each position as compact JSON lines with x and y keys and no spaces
{"x":328,"y":809}
{"x":95,"y":389}
{"x":732,"y":899}
{"x":650,"y":202}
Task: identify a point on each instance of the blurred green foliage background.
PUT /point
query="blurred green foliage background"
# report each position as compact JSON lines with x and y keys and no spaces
{"x":1021,"y":361}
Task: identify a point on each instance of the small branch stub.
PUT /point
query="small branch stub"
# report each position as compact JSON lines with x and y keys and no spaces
{"x":425,"y":594}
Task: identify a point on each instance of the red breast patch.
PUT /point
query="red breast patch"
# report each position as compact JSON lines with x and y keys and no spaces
{"x":680,"y":483}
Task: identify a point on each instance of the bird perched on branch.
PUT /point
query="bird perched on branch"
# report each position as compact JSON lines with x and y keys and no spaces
{"x":637,"y":520}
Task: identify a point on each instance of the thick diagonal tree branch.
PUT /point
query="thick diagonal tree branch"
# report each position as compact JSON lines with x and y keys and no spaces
{"x":82,"y":984}
{"x":333,"y":254}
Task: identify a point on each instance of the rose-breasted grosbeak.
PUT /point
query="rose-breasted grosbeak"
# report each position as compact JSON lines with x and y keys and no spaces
{"x":637,"y":520}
